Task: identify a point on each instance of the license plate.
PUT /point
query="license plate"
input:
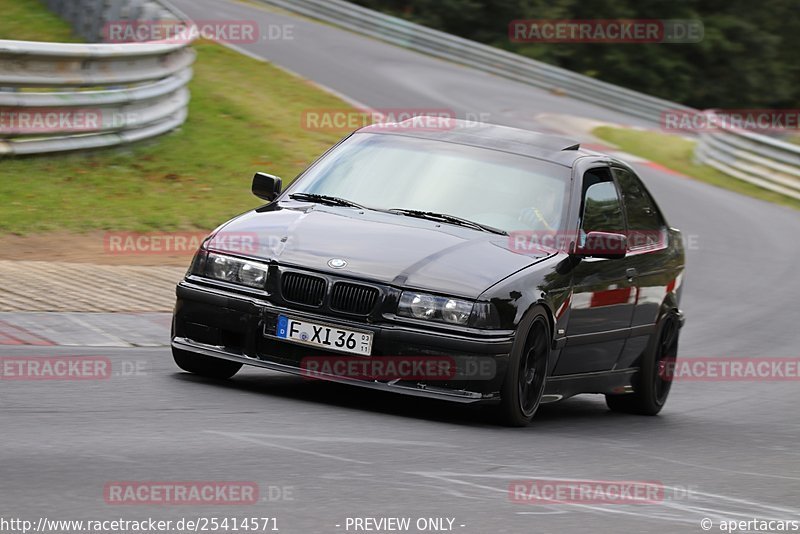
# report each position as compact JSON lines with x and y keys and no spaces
{"x":324,"y":336}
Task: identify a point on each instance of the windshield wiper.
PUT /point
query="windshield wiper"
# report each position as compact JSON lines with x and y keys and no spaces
{"x":452,"y":219}
{"x":325,"y":199}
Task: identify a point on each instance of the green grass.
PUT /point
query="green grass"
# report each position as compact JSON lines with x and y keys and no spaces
{"x":245,"y":116}
{"x":675,"y":152}
{"x":29,"y":20}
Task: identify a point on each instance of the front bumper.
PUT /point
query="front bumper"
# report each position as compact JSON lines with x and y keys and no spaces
{"x":220,"y":323}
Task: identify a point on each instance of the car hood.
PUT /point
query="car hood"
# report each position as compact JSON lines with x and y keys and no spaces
{"x":381,"y":247}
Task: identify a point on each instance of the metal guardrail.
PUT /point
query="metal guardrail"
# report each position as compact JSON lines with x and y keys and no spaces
{"x":758,"y":159}
{"x":483,"y":57}
{"x":57,"y":97}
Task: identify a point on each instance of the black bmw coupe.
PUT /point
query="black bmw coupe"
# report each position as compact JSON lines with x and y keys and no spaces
{"x":473,"y":263}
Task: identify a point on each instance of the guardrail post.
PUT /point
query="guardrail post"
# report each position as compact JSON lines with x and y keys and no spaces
{"x":57,"y":6}
{"x":70,"y":12}
{"x":112,"y":10}
{"x":150,"y":12}
{"x":89,"y":21}
{"x":132,"y":10}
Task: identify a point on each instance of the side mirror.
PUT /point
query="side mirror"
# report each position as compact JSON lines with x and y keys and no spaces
{"x":603,"y":245}
{"x":266,"y":186}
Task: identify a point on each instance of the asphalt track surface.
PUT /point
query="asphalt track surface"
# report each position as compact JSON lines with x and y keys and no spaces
{"x":722,"y":450}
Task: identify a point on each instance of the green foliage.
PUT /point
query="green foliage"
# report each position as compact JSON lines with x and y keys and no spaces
{"x":748,"y":57}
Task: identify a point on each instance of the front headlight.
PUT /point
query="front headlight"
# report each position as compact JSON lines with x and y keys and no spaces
{"x":433,"y":308}
{"x":234,"y":271}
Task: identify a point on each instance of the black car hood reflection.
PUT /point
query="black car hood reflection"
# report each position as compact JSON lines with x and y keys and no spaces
{"x":381,"y":247}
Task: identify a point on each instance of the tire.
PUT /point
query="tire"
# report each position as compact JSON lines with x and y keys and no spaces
{"x":653,"y":385}
{"x":526,"y":375}
{"x":205,"y":365}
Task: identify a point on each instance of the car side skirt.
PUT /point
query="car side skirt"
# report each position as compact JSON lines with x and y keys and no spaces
{"x":617,"y":382}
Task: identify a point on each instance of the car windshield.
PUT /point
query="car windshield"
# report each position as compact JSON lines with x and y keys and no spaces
{"x":498,"y":189}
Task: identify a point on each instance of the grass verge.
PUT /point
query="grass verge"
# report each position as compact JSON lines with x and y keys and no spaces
{"x":675,"y":153}
{"x":26,"y":20}
{"x":245,"y":116}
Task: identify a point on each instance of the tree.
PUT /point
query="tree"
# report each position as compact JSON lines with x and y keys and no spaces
{"x":747,"y":58}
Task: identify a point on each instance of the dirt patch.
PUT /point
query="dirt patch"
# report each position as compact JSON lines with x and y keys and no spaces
{"x":103,"y":248}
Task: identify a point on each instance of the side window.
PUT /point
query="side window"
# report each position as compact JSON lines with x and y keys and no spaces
{"x":602,"y":210}
{"x":645,"y":224}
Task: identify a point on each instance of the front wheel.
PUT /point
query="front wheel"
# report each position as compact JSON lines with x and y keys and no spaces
{"x":526,"y":374}
{"x":654,"y":380}
{"x":205,"y":365}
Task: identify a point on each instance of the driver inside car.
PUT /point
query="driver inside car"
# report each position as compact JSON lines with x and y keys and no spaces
{"x":545,"y":215}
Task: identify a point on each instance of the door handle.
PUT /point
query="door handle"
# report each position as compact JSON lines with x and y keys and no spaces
{"x":631,"y":274}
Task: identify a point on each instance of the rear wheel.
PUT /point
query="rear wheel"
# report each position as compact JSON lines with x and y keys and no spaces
{"x":205,"y":365}
{"x":654,"y":381}
{"x":526,"y":374}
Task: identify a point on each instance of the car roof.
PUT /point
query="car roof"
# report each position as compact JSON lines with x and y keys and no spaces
{"x":549,"y":147}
